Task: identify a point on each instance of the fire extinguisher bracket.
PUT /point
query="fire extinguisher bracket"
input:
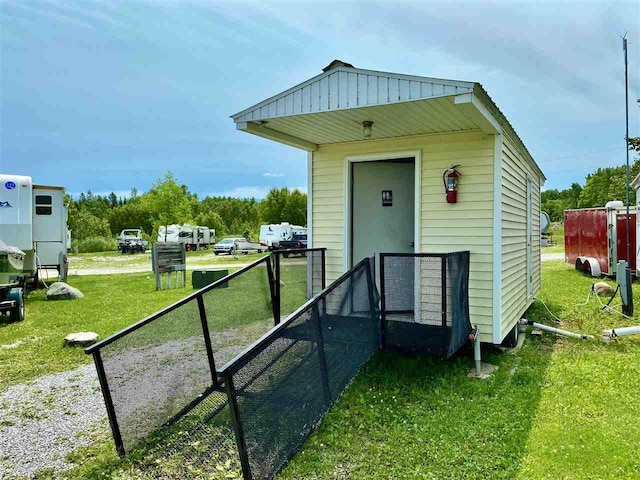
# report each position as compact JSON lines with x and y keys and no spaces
{"x":450,"y":181}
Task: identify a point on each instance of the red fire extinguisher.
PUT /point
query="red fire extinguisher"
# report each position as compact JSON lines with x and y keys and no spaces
{"x":450,"y":180}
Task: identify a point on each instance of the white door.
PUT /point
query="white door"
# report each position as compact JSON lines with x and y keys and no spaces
{"x":382,"y":208}
{"x":529,"y":237}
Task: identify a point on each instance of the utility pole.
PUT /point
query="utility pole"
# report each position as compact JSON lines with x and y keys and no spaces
{"x":627,"y":308}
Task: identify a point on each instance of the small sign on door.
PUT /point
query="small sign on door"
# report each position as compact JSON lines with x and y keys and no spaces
{"x":387,"y":198}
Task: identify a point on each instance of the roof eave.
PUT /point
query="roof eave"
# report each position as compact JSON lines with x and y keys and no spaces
{"x":502,"y":119}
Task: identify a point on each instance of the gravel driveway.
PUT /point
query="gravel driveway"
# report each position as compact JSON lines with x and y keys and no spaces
{"x":44,"y":420}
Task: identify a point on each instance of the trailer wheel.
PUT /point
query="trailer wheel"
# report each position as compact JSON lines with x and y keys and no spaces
{"x":17,"y":312}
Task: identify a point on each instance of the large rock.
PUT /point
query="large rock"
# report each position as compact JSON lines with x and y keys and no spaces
{"x":603,"y":289}
{"x":62,"y":291}
{"x":81,"y":338}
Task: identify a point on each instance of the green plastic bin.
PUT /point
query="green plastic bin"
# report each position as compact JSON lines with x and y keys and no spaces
{"x":202,"y":278}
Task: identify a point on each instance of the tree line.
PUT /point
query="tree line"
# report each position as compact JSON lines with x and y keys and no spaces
{"x":168,"y":202}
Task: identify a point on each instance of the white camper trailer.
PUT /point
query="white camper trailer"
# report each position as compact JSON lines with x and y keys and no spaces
{"x":272,"y":235}
{"x":192,"y":237}
{"x":33,"y":218}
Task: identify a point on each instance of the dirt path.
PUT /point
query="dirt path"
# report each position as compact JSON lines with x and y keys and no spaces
{"x":44,"y":420}
{"x":111,"y":270}
{"x":546,"y":257}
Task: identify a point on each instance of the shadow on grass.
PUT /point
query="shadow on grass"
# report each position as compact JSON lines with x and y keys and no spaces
{"x":424,"y":418}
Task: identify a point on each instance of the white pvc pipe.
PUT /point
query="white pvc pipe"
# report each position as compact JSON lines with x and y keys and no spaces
{"x":620,"y":332}
{"x":557,"y":331}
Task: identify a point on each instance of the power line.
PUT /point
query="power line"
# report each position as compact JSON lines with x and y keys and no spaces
{"x":581,"y":154}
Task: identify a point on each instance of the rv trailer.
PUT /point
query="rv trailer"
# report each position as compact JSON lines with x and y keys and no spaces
{"x":33,"y":219}
{"x":192,"y":237}
{"x":271,"y":235}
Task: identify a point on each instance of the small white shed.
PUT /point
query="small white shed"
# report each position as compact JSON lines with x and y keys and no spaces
{"x":380,"y":146}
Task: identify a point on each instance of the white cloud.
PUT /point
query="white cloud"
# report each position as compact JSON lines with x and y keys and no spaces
{"x":243,"y":192}
{"x":271,"y":174}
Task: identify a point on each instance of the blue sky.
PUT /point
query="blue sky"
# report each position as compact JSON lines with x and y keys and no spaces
{"x":105,"y":96}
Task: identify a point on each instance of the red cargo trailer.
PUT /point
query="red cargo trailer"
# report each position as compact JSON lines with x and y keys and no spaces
{"x":595,"y":238}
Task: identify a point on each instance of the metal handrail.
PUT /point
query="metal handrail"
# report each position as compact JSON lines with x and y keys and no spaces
{"x":141,"y":323}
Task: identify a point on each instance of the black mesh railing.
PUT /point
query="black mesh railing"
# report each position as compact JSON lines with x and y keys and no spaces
{"x":425,"y":303}
{"x":281,"y":387}
{"x":159,"y":369}
{"x":253,"y":415}
{"x":301,"y":274}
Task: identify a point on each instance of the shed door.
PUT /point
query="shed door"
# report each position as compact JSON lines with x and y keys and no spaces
{"x":382,"y":218}
{"x":529,"y":237}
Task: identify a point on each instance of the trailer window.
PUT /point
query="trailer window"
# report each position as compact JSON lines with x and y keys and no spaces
{"x":43,"y":205}
{"x":43,"y":210}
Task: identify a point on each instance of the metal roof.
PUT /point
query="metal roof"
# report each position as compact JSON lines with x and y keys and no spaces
{"x":330,"y":108}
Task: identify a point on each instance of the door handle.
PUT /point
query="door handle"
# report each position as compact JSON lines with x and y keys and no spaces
{"x":412,"y":244}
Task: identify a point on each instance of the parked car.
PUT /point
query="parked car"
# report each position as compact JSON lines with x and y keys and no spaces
{"x":233,"y":246}
{"x":297,"y":241}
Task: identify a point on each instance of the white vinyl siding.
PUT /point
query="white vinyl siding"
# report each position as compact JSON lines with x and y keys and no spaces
{"x":515,"y":172}
{"x":466,"y":225}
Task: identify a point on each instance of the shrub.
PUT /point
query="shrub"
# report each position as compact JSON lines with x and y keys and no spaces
{"x":96,"y":244}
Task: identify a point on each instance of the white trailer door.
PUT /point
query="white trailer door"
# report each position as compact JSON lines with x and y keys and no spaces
{"x":49,"y":224}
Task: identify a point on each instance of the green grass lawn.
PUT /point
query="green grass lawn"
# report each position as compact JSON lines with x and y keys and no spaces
{"x":35,"y":346}
{"x":558,"y":240}
{"x":555,"y":409}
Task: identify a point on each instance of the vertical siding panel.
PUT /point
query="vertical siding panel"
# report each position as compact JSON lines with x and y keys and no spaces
{"x":414,"y":90}
{"x":383,"y":90}
{"x":403,"y":85}
{"x":394,"y":92}
{"x":353,"y":89}
{"x":306,"y":99}
{"x":363,"y":100}
{"x":426,"y":89}
{"x":315,"y":97}
{"x":343,"y":88}
{"x":333,"y":91}
{"x":297,"y":101}
{"x":288,"y":104}
{"x":324,"y":94}
{"x":372,"y":89}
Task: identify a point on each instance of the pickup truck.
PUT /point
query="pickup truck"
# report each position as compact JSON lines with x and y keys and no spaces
{"x":298,"y":241}
{"x":130,"y":241}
